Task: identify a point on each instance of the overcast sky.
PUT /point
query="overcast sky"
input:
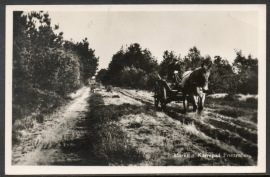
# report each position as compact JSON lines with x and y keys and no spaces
{"x":214,"y":33}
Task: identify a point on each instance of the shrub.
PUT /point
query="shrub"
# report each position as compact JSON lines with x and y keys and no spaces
{"x":254,"y":117}
{"x":27,"y":101}
{"x":232,"y":112}
{"x":252,"y":100}
{"x":230,"y":97}
{"x":151,"y":80}
{"x":133,"y":77}
{"x":137,"y":78}
{"x":40,"y":118}
{"x":95,"y":100}
{"x":134,"y":125}
{"x":109,"y":88}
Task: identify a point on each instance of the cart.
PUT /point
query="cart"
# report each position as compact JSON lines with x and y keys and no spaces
{"x":165,"y":94}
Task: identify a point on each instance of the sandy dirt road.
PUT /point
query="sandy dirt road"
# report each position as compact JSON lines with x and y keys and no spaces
{"x":41,"y":144}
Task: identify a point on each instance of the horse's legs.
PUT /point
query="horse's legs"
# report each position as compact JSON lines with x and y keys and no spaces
{"x":194,"y":102}
{"x":184,"y":102}
{"x":201,"y":102}
{"x":199,"y":105}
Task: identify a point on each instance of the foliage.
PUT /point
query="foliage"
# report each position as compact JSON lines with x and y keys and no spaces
{"x":240,"y":77}
{"x":230,"y":97}
{"x":109,"y":88}
{"x":133,"y":77}
{"x":168,"y":57}
{"x":133,"y":67}
{"x":101,"y":76}
{"x":88,"y":59}
{"x":44,"y":65}
{"x":194,"y":58}
{"x":222,"y":76}
{"x":247,"y":69}
{"x":252,"y":100}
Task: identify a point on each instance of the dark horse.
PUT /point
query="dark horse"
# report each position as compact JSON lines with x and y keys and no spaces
{"x":195,"y":84}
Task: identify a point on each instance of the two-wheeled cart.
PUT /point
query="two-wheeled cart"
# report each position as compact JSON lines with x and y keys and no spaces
{"x":165,"y":94}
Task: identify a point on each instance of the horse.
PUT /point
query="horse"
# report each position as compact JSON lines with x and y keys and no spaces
{"x":195,"y":85}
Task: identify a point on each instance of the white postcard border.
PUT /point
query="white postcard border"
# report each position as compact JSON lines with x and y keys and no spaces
{"x":16,"y":170}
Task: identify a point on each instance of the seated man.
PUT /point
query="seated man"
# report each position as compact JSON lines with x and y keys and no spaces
{"x":173,"y":77}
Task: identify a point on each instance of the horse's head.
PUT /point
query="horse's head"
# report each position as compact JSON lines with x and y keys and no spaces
{"x":204,"y":75}
{"x":200,"y":76}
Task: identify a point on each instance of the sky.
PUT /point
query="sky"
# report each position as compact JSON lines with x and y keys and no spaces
{"x":212,"y":32}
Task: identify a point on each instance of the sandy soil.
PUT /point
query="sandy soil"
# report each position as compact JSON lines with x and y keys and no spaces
{"x":40,"y":145}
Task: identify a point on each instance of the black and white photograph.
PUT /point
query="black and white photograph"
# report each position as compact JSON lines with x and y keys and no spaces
{"x":135,"y":89}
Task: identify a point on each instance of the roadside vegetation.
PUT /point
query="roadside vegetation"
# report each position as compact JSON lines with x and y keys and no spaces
{"x":110,"y":140}
{"x":46,"y":68}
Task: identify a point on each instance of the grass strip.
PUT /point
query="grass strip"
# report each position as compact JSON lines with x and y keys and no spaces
{"x":107,"y":144}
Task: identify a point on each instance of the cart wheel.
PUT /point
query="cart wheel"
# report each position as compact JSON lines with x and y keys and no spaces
{"x":163,"y":99}
{"x":156,"y":96}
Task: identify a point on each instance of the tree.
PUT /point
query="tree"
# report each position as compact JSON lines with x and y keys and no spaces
{"x":168,"y":57}
{"x":221,"y":76}
{"x":32,"y":47}
{"x":45,"y":67}
{"x":132,"y":57}
{"x":88,"y":59}
{"x":247,"y":73}
{"x":102,"y":76}
{"x":133,"y":77}
{"x":194,"y":57}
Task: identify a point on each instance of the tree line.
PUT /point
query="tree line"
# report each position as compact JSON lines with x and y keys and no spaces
{"x":136,"y":68}
{"x":46,"y":68}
